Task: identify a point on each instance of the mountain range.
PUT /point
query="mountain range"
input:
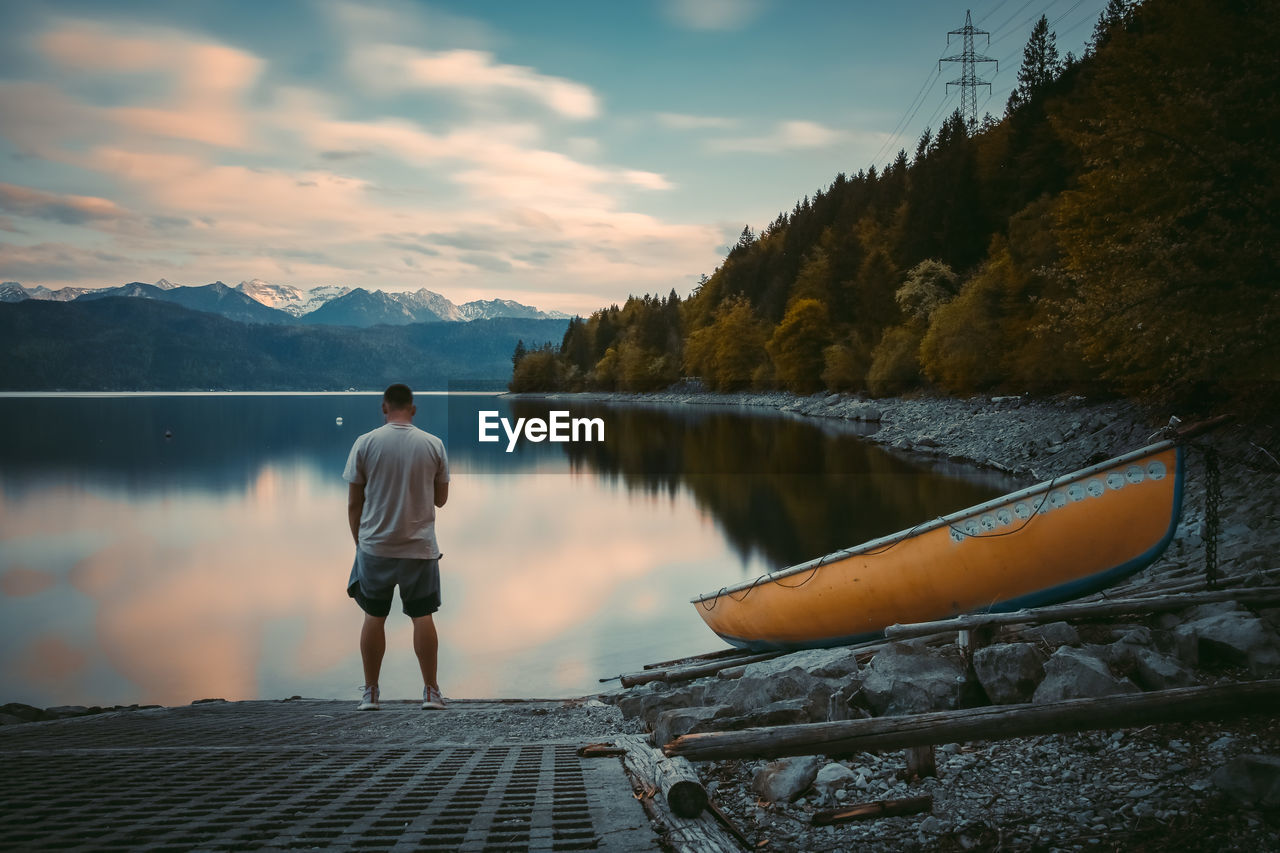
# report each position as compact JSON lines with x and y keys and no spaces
{"x":257,"y":301}
{"x":134,"y":340}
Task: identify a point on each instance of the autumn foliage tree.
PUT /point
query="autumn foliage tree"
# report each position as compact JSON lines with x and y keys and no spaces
{"x":1171,"y":239}
{"x":797,"y":344}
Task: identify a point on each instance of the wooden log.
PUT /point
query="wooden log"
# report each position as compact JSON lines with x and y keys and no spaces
{"x":866,"y":650}
{"x":674,"y":777}
{"x":708,"y":656}
{"x":1198,"y":584}
{"x":684,"y":835}
{"x":1092,"y":610}
{"x":867,"y":811}
{"x":1201,"y":427}
{"x":990,"y":723}
{"x":681,"y":786}
{"x":689,"y":673}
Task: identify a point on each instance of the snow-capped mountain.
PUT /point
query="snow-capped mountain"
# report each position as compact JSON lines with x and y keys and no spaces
{"x":426,"y":300}
{"x":64,"y":294}
{"x":484,"y":309}
{"x":325,"y":305}
{"x":271,"y":295}
{"x":134,"y":290}
{"x":11,"y":291}
{"x":214,"y":298}
{"x":288,"y":298}
{"x":364,"y":307}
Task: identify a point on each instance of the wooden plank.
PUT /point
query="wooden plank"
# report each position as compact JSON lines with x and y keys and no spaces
{"x":688,"y":673}
{"x":727,"y":822}
{"x":990,"y":723}
{"x":868,"y":811}
{"x":921,"y":762}
{"x":1092,"y":610}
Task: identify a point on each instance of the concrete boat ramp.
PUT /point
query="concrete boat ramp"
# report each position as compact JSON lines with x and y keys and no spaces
{"x":308,"y":774}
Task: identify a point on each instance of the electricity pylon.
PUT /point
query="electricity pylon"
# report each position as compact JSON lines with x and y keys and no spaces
{"x":968,"y":60}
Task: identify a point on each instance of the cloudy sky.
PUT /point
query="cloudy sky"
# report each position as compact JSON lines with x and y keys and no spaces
{"x":561,"y":153}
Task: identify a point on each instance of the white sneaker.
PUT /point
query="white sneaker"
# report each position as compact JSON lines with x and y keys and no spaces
{"x":369,"y":701}
{"x":431,"y":698}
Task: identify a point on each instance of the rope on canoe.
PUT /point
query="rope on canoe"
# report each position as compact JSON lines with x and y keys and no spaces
{"x":1034,"y":513}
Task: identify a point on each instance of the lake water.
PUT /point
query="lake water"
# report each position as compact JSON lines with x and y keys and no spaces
{"x":168,"y":548}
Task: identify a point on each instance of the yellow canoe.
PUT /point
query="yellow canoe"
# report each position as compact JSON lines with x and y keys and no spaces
{"x":1055,"y":541}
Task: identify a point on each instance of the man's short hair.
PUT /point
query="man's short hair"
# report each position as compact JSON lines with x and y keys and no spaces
{"x":398,"y":396}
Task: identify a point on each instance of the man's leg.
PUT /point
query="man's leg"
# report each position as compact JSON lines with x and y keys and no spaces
{"x":426,"y":646}
{"x":373,"y":645}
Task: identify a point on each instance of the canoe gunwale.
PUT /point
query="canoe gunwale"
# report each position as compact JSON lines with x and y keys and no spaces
{"x":884,"y":542}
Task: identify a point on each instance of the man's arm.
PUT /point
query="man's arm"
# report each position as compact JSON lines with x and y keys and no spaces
{"x":355,"y":508}
{"x":442,"y":493}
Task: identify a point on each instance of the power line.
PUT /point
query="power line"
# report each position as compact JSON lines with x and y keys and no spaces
{"x":1011,"y":18}
{"x":1087,"y":19}
{"x":1044,"y":11}
{"x":991,"y":12}
{"x":1057,"y":20}
{"x":918,"y":101}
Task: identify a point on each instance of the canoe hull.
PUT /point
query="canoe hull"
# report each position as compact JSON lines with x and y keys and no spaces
{"x":1069,"y":537}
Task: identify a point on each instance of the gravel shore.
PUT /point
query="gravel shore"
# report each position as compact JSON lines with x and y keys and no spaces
{"x":1151,"y":788}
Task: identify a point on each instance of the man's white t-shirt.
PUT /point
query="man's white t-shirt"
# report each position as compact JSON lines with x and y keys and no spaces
{"x":399,"y":466}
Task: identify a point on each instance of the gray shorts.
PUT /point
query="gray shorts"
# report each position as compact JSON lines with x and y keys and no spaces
{"x":374,"y":578}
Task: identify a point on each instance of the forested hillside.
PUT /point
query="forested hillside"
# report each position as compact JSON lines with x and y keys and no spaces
{"x":1114,"y":232}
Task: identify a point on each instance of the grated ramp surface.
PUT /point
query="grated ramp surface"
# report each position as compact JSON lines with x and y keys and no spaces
{"x":299,"y":776}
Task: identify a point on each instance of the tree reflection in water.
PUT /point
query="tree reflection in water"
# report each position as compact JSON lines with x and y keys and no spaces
{"x":786,"y":487}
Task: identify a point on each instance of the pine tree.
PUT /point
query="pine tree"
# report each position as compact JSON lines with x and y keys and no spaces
{"x":1109,"y":21}
{"x":1041,"y":65}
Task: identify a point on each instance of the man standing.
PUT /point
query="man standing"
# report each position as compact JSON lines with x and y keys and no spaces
{"x":397,"y":476}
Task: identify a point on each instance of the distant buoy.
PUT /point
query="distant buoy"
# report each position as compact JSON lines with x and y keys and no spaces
{"x":168,"y":433}
{"x":338,"y":421}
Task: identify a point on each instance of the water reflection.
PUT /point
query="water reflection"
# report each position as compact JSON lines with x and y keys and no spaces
{"x":786,"y":488}
{"x":139,"y":569}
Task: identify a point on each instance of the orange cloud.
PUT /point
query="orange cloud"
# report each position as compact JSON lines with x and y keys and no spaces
{"x":208,"y":81}
{"x":49,"y":659}
{"x":469,"y":74}
{"x":59,"y":207}
{"x":21,"y":582}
